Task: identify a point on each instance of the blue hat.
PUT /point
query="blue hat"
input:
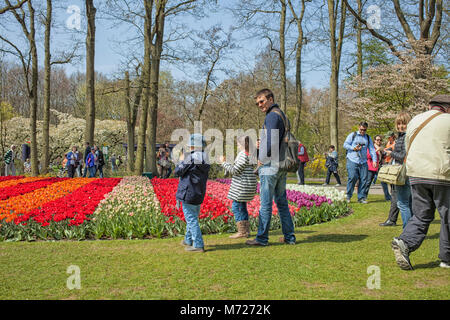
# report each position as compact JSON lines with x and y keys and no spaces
{"x":196,"y":140}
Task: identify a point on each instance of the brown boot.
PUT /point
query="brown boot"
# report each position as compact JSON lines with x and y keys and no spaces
{"x":241,"y":231}
{"x":246,"y":228}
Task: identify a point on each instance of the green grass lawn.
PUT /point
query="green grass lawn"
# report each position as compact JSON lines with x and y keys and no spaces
{"x":329,"y":261}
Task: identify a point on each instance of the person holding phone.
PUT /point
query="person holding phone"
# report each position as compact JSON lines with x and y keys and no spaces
{"x":356,"y":145}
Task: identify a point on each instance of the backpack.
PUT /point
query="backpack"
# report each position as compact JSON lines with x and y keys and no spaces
{"x":101,"y":159}
{"x":288,"y":161}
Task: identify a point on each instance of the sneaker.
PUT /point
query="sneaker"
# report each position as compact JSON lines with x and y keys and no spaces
{"x":445,"y":265}
{"x":348,"y":200}
{"x":388,"y":223}
{"x":183,"y":243}
{"x":325,"y":184}
{"x":286,"y":242}
{"x":194,"y":249}
{"x":254,"y":243}
{"x":401,"y":253}
{"x":338,"y":184}
{"x":363,"y":201}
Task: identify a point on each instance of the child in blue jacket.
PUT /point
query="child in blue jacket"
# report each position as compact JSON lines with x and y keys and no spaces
{"x":193,"y":172}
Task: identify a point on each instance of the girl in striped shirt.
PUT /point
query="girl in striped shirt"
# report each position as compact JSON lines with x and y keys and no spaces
{"x":243,"y":185}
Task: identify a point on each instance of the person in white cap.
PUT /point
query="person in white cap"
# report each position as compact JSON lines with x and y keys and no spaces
{"x":193,"y":171}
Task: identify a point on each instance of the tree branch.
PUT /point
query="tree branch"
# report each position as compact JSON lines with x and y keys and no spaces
{"x":14,"y":7}
{"x":374,"y":33}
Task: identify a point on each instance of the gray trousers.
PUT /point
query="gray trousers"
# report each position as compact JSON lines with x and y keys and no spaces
{"x":394,"y":210}
{"x":10,"y":169}
{"x":426,"y":198}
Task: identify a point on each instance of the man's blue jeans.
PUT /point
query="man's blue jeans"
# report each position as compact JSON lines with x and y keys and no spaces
{"x":273,"y":187}
{"x":193,"y":234}
{"x":356,"y":171}
{"x":404,"y":201}
{"x":239,"y":210}
{"x":91,"y":172}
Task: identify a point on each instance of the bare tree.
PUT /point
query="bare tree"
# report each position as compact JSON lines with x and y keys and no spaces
{"x":31,"y":84}
{"x":429,"y":12}
{"x":250,"y":13}
{"x":10,"y":7}
{"x":298,"y":18}
{"x":90,"y":72}
{"x":336,"y":42}
{"x":214,"y":44}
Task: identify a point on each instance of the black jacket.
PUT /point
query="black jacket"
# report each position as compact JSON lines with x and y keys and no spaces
{"x":399,"y":152}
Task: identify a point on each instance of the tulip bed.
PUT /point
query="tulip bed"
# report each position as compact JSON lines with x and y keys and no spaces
{"x":41,"y":208}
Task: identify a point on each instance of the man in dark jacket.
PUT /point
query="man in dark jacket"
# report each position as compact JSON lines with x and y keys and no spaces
{"x":193,"y":172}
{"x":87,"y":151}
{"x":272,"y":180}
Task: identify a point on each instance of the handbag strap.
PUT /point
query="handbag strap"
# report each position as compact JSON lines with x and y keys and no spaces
{"x":418,"y":130}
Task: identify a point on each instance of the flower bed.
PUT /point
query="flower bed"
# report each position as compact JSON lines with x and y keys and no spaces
{"x":214,"y":213}
{"x":13,"y":182}
{"x":306,"y":207}
{"x":6,"y":178}
{"x":59,"y":210}
{"x":25,"y":187}
{"x":134,"y":207}
{"x":130,"y":210}
{"x":329,"y":192}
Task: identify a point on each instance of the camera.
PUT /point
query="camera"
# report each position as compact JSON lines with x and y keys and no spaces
{"x":360,"y":144}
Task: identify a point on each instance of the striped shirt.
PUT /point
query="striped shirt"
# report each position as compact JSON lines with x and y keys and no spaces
{"x":243,"y":182}
{"x":9,"y":156}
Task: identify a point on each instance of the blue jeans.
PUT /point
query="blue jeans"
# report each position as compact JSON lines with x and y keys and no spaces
{"x":239,"y":210}
{"x":404,"y":201}
{"x":99,"y":169}
{"x":356,"y":171}
{"x":273,"y":187}
{"x":91,"y":172}
{"x":193,"y":234}
{"x":369,"y":180}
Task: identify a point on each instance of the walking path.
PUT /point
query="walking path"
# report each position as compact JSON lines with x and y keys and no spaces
{"x":374,"y":189}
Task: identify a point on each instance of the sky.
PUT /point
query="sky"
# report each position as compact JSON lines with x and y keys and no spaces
{"x":70,"y":20}
{"x":108,"y":60}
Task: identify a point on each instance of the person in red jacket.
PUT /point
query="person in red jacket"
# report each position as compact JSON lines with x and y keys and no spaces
{"x":303,"y":157}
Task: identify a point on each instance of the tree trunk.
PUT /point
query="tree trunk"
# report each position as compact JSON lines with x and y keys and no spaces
{"x":47,"y":70}
{"x":359,"y":53}
{"x":283,"y":57}
{"x":336,"y":49}
{"x":33,"y":93}
{"x":154,"y":84}
{"x":139,"y":166}
{"x":90,"y":72}
{"x":298,"y":65}
{"x":131,"y":119}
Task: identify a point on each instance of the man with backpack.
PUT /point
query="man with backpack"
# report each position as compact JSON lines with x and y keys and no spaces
{"x":356,"y":146}
{"x":272,"y":180}
{"x":100,"y":161}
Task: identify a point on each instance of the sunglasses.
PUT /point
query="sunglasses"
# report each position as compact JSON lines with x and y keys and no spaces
{"x":260,"y":102}
{"x":362,"y":129}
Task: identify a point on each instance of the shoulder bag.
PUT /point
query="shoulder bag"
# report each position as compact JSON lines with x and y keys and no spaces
{"x":396,"y":173}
